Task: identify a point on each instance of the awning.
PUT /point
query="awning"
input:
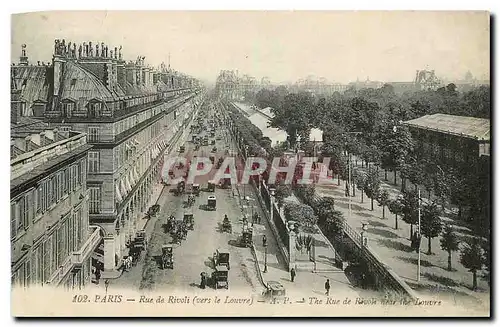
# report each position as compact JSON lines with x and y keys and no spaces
{"x":137,"y":176}
{"x":123,"y":187}
{"x":131,"y":178}
{"x":127,"y":184}
{"x":119,"y":197}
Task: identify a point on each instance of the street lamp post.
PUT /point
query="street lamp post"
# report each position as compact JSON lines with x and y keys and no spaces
{"x":271,"y":191}
{"x":265,"y":258}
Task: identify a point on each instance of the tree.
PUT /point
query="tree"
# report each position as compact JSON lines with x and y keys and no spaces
{"x":302,"y":214}
{"x":410,"y":209}
{"x":396,"y":207}
{"x":334,"y":223}
{"x":395,"y":144}
{"x":292,"y":116}
{"x":471,"y":257}
{"x":430,"y":223}
{"x":372,"y":185}
{"x":281,"y":193}
{"x":449,"y":242}
{"x":361,"y":181}
{"x":306,"y":193}
{"x":324,"y":208}
{"x":383,"y":200}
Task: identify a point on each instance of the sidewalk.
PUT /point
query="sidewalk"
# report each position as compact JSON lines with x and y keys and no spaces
{"x":393,"y":246}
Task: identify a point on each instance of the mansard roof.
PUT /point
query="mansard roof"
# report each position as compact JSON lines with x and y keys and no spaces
{"x":79,"y":83}
{"x":32,"y":81}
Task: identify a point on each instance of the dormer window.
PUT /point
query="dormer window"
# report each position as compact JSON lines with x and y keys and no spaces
{"x":73,"y":82}
{"x":68,"y":107}
{"x":95,"y":108}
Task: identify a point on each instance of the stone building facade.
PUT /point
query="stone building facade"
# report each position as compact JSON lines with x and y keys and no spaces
{"x":130,"y":113}
{"x":51,"y":239}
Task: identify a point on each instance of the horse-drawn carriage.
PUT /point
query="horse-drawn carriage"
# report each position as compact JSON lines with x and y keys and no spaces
{"x":135,"y":253}
{"x":274,"y":290}
{"x":221,"y":258}
{"x":167,"y":257}
{"x":140,"y":239}
{"x":226,"y":225}
{"x":153,"y":210}
{"x":211,"y":186}
{"x":196,"y":189}
{"x":181,"y":187}
{"x":225,"y":183}
{"x":211,"y":202}
{"x":246,"y":236}
{"x":189,"y":220}
{"x":219,"y":163}
{"x":219,"y":277}
{"x":190,"y":200}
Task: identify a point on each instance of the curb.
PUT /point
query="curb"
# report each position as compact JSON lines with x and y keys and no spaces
{"x":257,"y":265}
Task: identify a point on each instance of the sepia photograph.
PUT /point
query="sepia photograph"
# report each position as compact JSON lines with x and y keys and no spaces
{"x":250,"y":164}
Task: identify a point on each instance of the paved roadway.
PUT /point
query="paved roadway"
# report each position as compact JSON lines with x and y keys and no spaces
{"x":194,"y":254}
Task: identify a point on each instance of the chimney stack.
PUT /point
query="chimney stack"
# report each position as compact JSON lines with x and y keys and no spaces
{"x":23,"y":60}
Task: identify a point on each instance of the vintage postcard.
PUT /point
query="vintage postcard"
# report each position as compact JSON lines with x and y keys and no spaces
{"x":232,"y":163}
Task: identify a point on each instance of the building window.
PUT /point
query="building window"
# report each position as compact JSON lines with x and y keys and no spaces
{"x":74,"y":173}
{"x":22,"y":214}
{"x":93,"y":159}
{"x":95,"y":109}
{"x":65,"y":181}
{"x":38,"y":264}
{"x":27,"y":272}
{"x":28,"y":209}
{"x":61,"y":243}
{"x":65,"y":128}
{"x":95,"y":199}
{"x":78,"y":228}
{"x":93,"y":134}
{"x":51,"y":261}
{"x":39,"y":200}
{"x":68,"y":108}
{"x":14,"y":213}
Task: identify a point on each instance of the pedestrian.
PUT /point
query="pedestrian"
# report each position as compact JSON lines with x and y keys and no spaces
{"x":106,"y":284}
{"x":97,"y":275}
{"x":327,"y":287}
{"x":264,"y":241}
{"x":203,"y":280}
{"x":292,"y":274}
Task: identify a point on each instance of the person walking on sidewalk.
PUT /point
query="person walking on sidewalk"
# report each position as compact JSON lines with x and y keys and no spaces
{"x":97,"y":275}
{"x":264,"y":241}
{"x":327,"y":287}
{"x":292,"y":274}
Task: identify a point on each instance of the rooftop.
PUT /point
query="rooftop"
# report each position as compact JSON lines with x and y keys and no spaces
{"x":469,"y":127}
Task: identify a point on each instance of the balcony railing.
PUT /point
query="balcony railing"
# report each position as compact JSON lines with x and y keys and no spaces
{"x":92,"y":242}
{"x":76,"y":259}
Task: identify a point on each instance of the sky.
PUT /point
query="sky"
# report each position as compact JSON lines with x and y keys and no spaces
{"x":282,"y":45}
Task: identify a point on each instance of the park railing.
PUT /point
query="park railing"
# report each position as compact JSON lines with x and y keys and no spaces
{"x":350,"y":244}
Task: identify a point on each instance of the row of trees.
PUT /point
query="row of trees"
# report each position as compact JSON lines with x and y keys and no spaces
{"x":474,"y":254}
{"x":383,"y":141}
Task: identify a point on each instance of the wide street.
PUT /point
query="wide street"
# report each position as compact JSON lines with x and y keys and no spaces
{"x":194,"y":254}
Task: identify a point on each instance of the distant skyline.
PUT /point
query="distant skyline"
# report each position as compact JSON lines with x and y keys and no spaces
{"x":284,"y":46}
